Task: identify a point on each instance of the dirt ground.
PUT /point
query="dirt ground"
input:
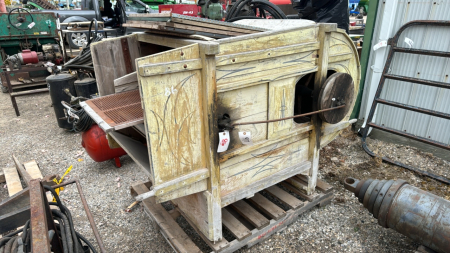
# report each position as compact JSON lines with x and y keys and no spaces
{"x":342,"y":226}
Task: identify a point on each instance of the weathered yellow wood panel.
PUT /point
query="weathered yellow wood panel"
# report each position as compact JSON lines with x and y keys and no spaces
{"x":246,"y":104}
{"x":267,"y":40}
{"x":174,"y":136}
{"x":301,"y":62}
{"x":238,"y":172}
{"x":281,"y":105}
{"x":179,"y":54}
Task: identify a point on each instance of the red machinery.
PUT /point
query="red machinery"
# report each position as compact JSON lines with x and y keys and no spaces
{"x":96,"y":145}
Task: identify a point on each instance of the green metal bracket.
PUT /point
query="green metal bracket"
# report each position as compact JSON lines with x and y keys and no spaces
{"x":367,"y":45}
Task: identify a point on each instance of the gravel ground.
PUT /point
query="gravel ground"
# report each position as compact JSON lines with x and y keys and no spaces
{"x":342,"y":226}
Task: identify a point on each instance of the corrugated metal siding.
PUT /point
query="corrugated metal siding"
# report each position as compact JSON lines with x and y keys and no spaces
{"x":424,"y":67}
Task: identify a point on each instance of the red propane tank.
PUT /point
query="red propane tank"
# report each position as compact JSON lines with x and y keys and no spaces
{"x":28,"y":56}
{"x":96,"y":145}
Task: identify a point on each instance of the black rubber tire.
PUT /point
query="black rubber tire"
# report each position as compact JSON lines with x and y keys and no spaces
{"x":270,"y":5}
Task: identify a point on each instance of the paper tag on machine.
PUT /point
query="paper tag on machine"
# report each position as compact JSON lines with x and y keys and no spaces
{"x":224,"y":141}
{"x":246,"y":138}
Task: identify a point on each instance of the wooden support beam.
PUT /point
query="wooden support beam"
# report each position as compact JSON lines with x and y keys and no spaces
{"x":320,"y":78}
{"x":208,"y":50}
{"x":250,"y":214}
{"x":234,"y":225}
{"x":267,"y":207}
{"x":284,"y":197}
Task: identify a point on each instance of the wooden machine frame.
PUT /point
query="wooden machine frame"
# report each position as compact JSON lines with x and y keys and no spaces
{"x":250,"y":77}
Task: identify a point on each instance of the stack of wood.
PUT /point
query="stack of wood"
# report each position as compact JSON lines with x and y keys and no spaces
{"x":28,"y":171}
{"x":175,"y":24}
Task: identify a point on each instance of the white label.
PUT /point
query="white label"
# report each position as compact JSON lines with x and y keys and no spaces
{"x":31,"y":25}
{"x":44,"y":32}
{"x":380,"y":45}
{"x":246,"y":138}
{"x":409,"y":41}
{"x":224,"y":141}
{"x":18,"y":24}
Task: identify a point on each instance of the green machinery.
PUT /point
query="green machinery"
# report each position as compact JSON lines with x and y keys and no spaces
{"x":29,"y":48}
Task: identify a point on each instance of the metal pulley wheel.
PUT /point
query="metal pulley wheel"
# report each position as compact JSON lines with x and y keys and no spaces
{"x":337,"y":90}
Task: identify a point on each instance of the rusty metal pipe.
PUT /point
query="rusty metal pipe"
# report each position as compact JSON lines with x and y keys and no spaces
{"x":417,"y":214}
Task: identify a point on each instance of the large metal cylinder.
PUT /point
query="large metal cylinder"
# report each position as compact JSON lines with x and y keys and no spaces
{"x":420,"y":215}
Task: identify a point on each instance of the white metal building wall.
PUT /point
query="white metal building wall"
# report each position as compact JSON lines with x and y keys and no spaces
{"x":392,"y":14}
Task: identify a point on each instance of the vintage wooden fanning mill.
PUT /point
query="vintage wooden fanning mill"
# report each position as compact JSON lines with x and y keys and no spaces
{"x":188,"y":90}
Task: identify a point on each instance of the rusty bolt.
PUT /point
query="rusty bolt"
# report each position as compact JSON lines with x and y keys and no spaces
{"x":233,"y":60}
{"x":182,"y":53}
{"x":185,"y":66}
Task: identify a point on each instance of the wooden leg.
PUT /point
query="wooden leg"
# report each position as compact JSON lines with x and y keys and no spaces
{"x":321,"y":75}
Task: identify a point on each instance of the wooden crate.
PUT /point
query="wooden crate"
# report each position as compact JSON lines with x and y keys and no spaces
{"x":249,"y":221}
{"x":185,"y":86}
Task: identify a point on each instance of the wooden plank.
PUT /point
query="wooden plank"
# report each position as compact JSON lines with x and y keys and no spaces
{"x":320,"y":78}
{"x":259,"y":185}
{"x":174,"y":213}
{"x":172,"y":42}
{"x":108,"y":60}
{"x":178,"y":238}
{"x":324,"y":187}
{"x":266,"y":53}
{"x":126,"y":83}
{"x":267,"y":207}
{"x":203,"y":29}
{"x":301,"y":193}
{"x":271,"y":39}
{"x":167,"y":68}
{"x":33,"y":169}
{"x":12,"y":181}
{"x":284,"y":197}
{"x":234,"y":225}
{"x":208,"y":91}
{"x":250,"y":214}
{"x":321,"y":185}
{"x":213,"y":26}
{"x":181,"y":182}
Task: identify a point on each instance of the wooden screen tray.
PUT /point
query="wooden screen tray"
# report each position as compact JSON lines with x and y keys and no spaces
{"x":116,"y":111}
{"x":249,"y":221}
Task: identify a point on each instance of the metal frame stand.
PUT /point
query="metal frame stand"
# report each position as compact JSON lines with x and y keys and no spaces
{"x":395,"y":49}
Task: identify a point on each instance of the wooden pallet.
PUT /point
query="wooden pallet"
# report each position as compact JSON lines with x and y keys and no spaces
{"x":249,"y":221}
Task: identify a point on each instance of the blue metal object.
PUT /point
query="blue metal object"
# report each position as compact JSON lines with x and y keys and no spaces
{"x":418,"y":214}
{"x":353,"y":7}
